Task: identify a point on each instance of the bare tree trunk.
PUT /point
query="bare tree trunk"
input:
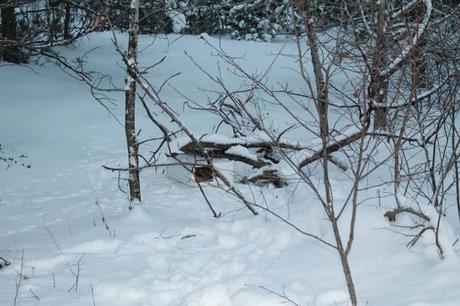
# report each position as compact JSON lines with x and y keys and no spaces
{"x":454,"y":145}
{"x":67,"y":21}
{"x":10,"y":54}
{"x":322,"y":105}
{"x":379,"y":85}
{"x":130,"y":104}
{"x":345,"y":266}
{"x":53,"y":22}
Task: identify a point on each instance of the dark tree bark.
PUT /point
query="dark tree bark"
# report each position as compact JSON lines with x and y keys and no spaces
{"x":9,"y":53}
{"x":67,"y":22}
{"x":378,"y":85}
{"x":53,"y":17}
{"x":130,"y":105}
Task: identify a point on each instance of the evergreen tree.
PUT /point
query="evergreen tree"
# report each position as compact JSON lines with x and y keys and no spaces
{"x":255,"y":20}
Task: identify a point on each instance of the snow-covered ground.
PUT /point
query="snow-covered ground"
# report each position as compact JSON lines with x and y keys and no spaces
{"x":66,"y":227}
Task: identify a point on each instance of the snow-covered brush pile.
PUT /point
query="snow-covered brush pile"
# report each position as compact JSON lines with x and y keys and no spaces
{"x":260,"y":154}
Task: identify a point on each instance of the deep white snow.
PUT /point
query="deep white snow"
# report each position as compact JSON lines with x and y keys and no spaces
{"x":65,"y":216}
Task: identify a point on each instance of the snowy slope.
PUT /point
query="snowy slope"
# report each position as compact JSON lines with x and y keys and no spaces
{"x":65,"y":220}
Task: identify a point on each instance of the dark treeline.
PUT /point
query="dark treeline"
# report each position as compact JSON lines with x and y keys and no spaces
{"x":30,"y":26}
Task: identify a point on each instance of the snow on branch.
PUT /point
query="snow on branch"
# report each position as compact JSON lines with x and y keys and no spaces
{"x":338,"y":144}
{"x":413,"y":100}
{"x":404,"y":9}
{"x":392,"y":66}
{"x":257,"y":151}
